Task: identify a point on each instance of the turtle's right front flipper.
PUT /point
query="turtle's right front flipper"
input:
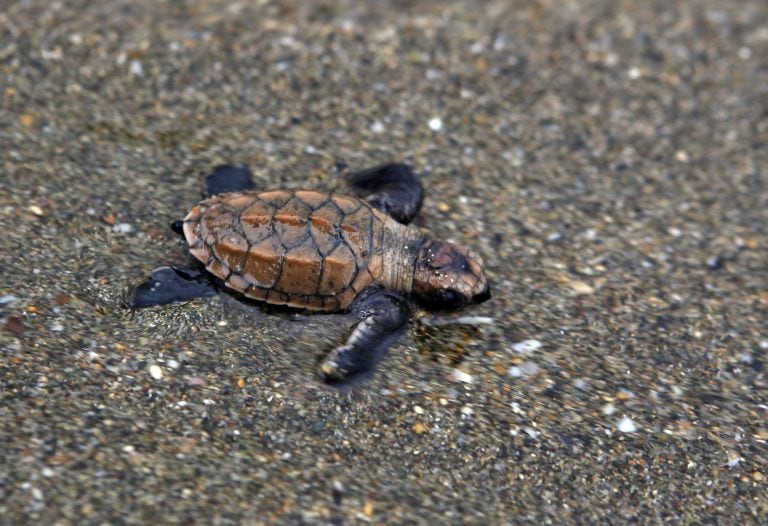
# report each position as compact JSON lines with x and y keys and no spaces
{"x":385,"y":317}
{"x":173,"y":285}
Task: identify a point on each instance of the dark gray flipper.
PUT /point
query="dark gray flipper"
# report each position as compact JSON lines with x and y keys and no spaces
{"x":385,"y":316}
{"x":228,"y":178}
{"x":172,"y":285}
{"x":392,"y":188}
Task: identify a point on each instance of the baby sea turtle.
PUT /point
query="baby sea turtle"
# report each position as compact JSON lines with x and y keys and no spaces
{"x":323,"y":251}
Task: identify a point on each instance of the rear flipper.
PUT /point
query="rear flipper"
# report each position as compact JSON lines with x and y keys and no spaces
{"x":172,"y":285}
{"x":392,"y":188}
{"x":385,"y":317}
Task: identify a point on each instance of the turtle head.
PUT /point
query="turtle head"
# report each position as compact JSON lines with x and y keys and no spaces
{"x":448,"y":277}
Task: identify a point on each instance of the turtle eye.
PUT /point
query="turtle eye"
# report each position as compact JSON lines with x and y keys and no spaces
{"x":450,"y":299}
{"x":445,"y":299}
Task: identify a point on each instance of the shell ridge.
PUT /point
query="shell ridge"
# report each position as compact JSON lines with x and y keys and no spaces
{"x":328,"y":199}
{"x":337,"y":207}
{"x":314,"y":242}
{"x":320,"y":276}
{"x":354,"y":259}
{"x":366,"y":253}
{"x":238,"y":227}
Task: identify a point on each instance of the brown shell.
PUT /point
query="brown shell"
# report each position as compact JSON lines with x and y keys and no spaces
{"x":305,"y":249}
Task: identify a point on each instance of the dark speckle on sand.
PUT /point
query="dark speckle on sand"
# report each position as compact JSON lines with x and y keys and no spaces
{"x":607,"y":159}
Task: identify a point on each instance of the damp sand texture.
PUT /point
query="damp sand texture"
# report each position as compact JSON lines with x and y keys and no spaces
{"x":607,"y":160}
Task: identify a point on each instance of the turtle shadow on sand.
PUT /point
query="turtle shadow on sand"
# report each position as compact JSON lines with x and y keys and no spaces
{"x":323,"y":252}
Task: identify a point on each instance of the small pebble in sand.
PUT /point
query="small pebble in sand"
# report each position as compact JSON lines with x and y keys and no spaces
{"x":627,"y":425}
{"x":531,"y":432}
{"x":526,"y":346}
{"x":581,"y":288}
{"x":8,"y":299}
{"x":27,"y":120}
{"x":745,"y":53}
{"x":155,"y":371}
{"x":14,"y":325}
{"x":524,"y":369}
{"x":461,"y":376}
{"x":733,"y":459}
{"x":137,"y":68}
{"x":435,"y":124}
{"x":580,"y":384}
{"x":715,"y":263}
{"x":122,"y":228}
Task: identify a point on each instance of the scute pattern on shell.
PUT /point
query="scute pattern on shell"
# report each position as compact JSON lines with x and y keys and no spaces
{"x":305,"y":249}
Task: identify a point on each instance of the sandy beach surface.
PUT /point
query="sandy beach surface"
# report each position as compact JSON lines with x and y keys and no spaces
{"x":609,"y":160}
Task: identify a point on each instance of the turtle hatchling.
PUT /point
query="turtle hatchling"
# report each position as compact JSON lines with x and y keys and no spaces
{"x":325,"y":252}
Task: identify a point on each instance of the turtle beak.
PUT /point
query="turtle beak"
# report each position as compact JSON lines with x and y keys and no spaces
{"x":485,"y":295}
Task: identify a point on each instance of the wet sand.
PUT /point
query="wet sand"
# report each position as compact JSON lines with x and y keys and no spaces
{"x":607,"y":159}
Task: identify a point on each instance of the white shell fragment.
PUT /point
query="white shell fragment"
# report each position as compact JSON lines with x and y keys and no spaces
{"x":527,"y":346}
{"x":627,"y":425}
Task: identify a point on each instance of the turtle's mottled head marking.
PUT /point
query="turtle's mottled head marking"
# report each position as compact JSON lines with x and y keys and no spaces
{"x":448,"y":277}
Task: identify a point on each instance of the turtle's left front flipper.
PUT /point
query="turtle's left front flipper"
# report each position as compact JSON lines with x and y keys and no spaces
{"x":385,"y":316}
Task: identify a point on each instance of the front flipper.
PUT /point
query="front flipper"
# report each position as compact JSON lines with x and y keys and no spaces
{"x":392,"y":188}
{"x":172,"y":285}
{"x":228,"y":178}
{"x":385,"y":317}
